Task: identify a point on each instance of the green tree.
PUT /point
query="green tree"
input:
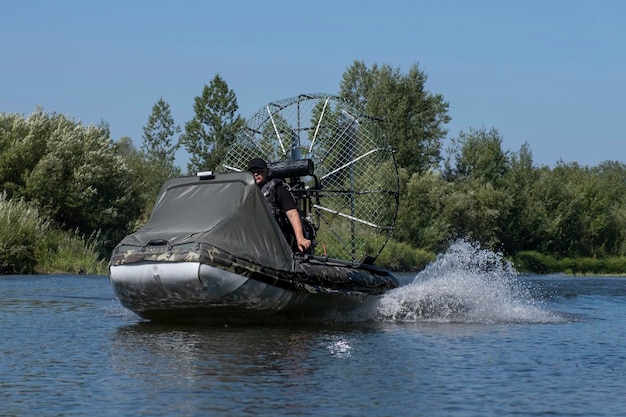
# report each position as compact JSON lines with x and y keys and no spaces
{"x":522,"y":229}
{"x":420,"y":221}
{"x":413,"y":117}
{"x":611,"y":226}
{"x":158,"y":136}
{"x":563,"y":195}
{"x":479,"y":155}
{"x":144,"y":176}
{"x":81,"y":183}
{"x":587,"y":203}
{"x":437,"y":211}
{"x":476,"y":209}
{"x":213,"y":128}
{"x":23,"y":142}
{"x":157,"y":154}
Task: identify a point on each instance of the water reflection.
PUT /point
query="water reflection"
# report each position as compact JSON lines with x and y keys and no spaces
{"x":214,"y":357}
{"x":235,"y":365}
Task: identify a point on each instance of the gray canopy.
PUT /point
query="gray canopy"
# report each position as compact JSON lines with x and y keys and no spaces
{"x":223,"y":210}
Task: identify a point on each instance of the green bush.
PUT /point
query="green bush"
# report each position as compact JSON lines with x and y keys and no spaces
{"x":65,"y":252}
{"x":535,"y":262}
{"x":595,"y":266}
{"x":29,"y":244}
{"x":532,"y":261}
{"x":616,"y":265}
{"x":21,"y":228}
{"x":399,"y":256}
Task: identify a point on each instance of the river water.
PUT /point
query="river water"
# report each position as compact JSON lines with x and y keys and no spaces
{"x":467,"y":336}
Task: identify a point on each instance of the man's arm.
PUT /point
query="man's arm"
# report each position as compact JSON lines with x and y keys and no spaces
{"x":294,"y":218}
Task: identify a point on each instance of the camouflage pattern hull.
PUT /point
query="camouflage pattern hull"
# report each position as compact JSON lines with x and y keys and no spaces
{"x":205,"y":284}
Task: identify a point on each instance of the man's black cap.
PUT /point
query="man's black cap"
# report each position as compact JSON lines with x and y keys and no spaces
{"x":257,"y":163}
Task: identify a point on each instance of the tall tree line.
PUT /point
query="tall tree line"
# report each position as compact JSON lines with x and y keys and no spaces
{"x":83,"y":180}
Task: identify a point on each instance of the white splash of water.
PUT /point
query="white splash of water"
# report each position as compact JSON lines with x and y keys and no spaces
{"x":467,"y":284}
{"x":115,"y":309}
{"x":340,"y":347}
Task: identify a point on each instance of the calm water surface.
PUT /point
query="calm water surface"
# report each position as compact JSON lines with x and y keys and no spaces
{"x":466,"y":337}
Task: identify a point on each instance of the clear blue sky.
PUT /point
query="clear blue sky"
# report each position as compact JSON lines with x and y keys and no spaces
{"x":551,"y":73}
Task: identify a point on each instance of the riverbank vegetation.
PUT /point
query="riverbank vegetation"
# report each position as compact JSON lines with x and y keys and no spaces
{"x":69,"y":192}
{"x":31,"y":244}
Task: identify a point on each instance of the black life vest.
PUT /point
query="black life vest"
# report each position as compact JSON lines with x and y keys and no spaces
{"x":269,"y":191}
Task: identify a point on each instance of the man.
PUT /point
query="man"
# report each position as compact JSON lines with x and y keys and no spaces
{"x":280,"y":200}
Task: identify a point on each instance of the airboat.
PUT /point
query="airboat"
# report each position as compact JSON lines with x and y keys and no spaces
{"x":212,"y":251}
